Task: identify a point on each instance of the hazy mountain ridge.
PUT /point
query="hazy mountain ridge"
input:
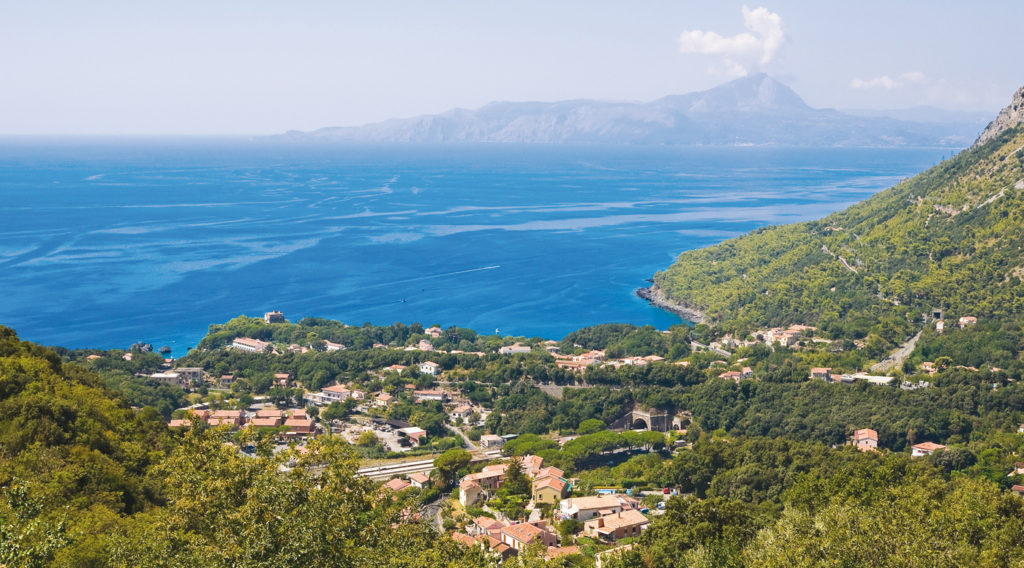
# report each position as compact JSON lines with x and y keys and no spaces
{"x":755,"y":110}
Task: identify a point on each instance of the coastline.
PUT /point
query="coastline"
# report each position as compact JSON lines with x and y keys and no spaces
{"x":657,"y":298}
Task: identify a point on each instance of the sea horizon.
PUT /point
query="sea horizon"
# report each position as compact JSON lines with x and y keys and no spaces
{"x":113,"y":240}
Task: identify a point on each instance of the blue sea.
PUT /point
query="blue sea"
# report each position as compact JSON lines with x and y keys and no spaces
{"x":105,"y":242}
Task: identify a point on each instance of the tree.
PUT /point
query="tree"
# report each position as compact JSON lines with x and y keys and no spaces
{"x":590,"y":426}
{"x":448,"y":464}
{"x":367,"y":439}
{"x":567,"y":529}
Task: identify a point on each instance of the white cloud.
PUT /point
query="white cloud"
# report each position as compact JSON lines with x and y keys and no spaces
{"x":743,"y":51}
{"x":888,"y":83}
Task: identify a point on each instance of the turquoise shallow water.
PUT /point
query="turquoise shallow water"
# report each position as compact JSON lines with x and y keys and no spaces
{"x":108,"y":242}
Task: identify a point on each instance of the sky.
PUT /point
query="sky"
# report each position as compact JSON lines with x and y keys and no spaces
{"x":259,"y":67}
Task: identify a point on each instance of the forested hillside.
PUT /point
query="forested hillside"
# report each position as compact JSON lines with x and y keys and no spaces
{"x":950,"y":238}
{"x":85,"y":480}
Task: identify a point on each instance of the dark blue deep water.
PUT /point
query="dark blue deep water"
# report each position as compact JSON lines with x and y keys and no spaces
{"x":108,"y":242}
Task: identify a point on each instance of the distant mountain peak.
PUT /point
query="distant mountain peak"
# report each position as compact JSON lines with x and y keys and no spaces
{"x":752,"y":110}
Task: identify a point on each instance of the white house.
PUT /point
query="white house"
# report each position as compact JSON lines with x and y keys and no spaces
{"x":423,"y":395}
{"x":250,"y":345}
{"x":925,"y":449}
{"x":331,"y":346}
{"x":514,"y":348}
{"x":430,"y":368}
{"x":586,"y":508}
{"x":333,"y":393}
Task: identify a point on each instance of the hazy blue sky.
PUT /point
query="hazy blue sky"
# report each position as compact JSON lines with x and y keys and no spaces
{"x":252,"y":67}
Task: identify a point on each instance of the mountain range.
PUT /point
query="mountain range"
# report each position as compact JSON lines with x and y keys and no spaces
{"x":756,"y":110}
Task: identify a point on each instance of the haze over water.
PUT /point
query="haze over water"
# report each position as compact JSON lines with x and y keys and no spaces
{"x":106,"y":242}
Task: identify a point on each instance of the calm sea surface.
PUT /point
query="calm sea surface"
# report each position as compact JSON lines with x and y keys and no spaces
{"x":108,"y":242}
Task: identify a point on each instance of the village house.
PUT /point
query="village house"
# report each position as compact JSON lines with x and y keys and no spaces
{"x":610,"y":528}
{"x":822,"y":373}
{"x":484,"y":525}
{"x":179,"y":423}
{"x":419,"y":480}
{"x":925,"y":449}
{"x":414,"y":434}
{"x":300,"y":426}
{"x":732,"y":376}
{"x":490,"y":478}
{"x":226,"y":381}
{"x":397,"y":484}
{"x":424,"y":395}
{"x":514,"y":349}
{"x":430,"y":368}
{"x":331,"y":346}
{"x":433,"y":331}
{"x":273,"y":317}
{"x":333,"y":393}
{"x":865,"y":438}
{"x":191,"y":375}
{"x":230,"y":417}
{"x":462,"y":411}
{"x":470,"y":492}
{"x":967,"y":320}
{"x":266,"y":421}
{"x":464,"y":539}
{"x":523,"y":535}
{"x":531,"y":464}
{"x":170,"y":378}
{"x":282,"y":380}
{"x":498,"y":548}
{"x":586,"y":508}
{"x":383,"y":399}
{"x":549,"y":489}
{"x":298,"y":349}
{"x":491,"y":441}
{"x":250,"y":345}
{"x":424,"y":345}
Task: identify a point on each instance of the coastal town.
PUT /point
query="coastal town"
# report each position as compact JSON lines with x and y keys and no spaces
{"x":409,"y":420}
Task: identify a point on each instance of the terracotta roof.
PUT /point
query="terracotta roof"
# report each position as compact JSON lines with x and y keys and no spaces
{"x":397,"y":484}
{"x":627,"y":518}
{"x":594,"y":502}
{"x":464,"y":539}
{"x":420,"y":478}
{"x":555,"y":483}
{"x":865,"y":434}
{"x":524,"y":532}
{"x":487,"y":523}
{"x":551,"y":470}
{"x":269,"y":422}
{"x":929,"y":446}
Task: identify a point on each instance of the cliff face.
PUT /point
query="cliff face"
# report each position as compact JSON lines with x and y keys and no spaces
{"x":1009,"y":117}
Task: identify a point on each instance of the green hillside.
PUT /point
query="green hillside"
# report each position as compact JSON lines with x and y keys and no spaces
{"x":949,"y":238}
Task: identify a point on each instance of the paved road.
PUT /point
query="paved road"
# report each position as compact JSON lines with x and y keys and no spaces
{"x":895,"y":361}
{"x":469,"y":443}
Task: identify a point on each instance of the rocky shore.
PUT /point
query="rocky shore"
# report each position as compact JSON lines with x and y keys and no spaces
{"x":658,"y":299}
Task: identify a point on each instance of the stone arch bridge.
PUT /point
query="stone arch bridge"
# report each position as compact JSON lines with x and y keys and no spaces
{"x":652,"y":419}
